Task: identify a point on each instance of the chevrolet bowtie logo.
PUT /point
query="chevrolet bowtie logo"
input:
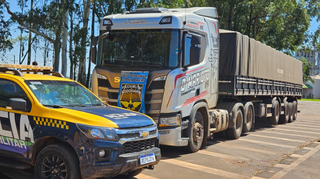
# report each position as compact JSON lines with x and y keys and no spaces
{"x":144,"y":134}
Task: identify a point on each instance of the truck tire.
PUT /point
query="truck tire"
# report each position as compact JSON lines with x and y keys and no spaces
{"x":55,"y":161}
{"x":275,"y":113}
{"x":196,"y":133}
{"x":284,"y":118}
{"x":291,"y":111}
{"x":249,"y":117}
{"x":295,"y":110}
{"x":236,"y":130}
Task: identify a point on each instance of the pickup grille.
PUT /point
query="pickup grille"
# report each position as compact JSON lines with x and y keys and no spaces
{"x":134,"y":135}
{"x":137,"y":146}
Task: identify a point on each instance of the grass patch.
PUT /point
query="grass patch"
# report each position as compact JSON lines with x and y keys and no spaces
{"x":309,"y":99}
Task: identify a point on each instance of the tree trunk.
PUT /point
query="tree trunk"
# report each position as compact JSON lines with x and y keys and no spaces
{"x":30,"y":36}
{"x":64,"y":46}
{"x":82,"y":60}
{"x":230,"y":16}
{"x":70,"y":46}
{"x":92,"y":36}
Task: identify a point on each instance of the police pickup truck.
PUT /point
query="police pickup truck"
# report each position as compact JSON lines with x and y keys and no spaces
{"x":62,"y":130}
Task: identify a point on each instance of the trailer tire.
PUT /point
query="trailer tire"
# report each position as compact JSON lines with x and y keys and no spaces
{"x":275,"y":113}
{"x":284,"y":118}
{"x":62,"y":160}
{"x":295,"y":110}
{"x":196,"y":133}
{"x":291,"y":111}
{"x":236,"y":130}
{"x":249,"y":117}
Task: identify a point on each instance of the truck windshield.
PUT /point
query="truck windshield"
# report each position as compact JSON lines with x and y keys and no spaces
{"x":54,"y":93}
{"x":158,"y":48}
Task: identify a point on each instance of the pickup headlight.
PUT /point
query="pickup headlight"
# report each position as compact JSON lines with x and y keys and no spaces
{"x":100,"y":133}
{"x":170,"y":121}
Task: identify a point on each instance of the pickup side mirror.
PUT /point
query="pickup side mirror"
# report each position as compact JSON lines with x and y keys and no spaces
{"x":17,"y":104}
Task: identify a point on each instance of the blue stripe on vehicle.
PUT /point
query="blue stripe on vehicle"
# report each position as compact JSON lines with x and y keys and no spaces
{"x":123,"y":118}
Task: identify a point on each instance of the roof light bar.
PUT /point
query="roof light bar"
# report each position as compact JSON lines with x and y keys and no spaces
{"x":26,"y":67}
{"x":166,"y":20}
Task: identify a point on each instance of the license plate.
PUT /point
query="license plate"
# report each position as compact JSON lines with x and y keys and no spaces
{"x":147,"y":159}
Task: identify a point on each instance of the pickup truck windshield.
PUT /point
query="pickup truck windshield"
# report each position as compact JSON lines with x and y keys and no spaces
{"x":156,"y":48}
{"x":57,"y":94}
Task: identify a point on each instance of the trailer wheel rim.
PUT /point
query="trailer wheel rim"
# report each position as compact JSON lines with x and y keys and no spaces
{"x":249,"y":115}
{"x":197,"y":132}
{"x":53,"y":166}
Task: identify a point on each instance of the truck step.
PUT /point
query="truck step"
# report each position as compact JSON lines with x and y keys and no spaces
{"x":13,"y":163}
{"x":212,"y":129}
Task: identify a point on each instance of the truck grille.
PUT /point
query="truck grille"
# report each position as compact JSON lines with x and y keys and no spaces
{"x":137,"y":146}
{"x":153,"y":96}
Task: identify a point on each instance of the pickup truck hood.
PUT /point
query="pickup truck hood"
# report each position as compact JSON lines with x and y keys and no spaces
{"x":105,"y":116}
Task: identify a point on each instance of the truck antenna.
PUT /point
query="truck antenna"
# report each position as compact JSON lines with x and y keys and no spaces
{"x":185,"y":13}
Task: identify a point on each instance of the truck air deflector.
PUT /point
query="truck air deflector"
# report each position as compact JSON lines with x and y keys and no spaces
{"x":122,"y":118}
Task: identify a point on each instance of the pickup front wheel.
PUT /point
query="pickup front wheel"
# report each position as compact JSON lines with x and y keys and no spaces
{"x":57,"y":161}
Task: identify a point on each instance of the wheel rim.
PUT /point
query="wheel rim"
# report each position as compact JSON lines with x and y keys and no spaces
{"x":197,"y":133}
{"x":53,"y":167}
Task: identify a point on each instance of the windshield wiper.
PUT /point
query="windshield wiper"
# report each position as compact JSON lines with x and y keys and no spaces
{"x":53,"y":106}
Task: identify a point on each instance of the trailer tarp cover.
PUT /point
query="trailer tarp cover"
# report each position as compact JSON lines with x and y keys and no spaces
{"x":244,"y":56}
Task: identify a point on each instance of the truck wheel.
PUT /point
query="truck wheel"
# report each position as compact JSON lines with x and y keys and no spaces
{"x":248,"y":117}
{"x":196,"y":133}
{"x":295,"y":110}
{"x":236,"y":130}
{"x":57,"y":161}
{"x":275,"y":113}
{"x":291,"y":112}
{"x":284,"y":118}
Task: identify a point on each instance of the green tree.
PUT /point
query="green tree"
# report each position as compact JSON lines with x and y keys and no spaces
{"x":5,"y":43}
{"x":306,"y":70}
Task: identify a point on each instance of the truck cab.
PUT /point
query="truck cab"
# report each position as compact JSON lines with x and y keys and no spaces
{"x":172,"y":45}
{"x":62,"y":129}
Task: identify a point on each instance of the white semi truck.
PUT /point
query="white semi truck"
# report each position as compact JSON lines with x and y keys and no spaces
{"x":200,"y":79}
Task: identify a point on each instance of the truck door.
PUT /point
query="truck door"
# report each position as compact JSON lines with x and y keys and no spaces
{"x":16,"y":134}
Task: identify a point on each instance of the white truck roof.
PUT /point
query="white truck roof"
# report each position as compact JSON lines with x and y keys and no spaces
{"x":150,"y":17}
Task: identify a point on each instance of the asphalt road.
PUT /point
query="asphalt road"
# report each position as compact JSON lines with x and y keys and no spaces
{"x":289,"y":151}
{"x":284,"y":151}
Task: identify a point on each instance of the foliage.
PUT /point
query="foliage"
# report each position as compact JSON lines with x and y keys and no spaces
{"x":5,"y":43}
{"x":306,"y":70}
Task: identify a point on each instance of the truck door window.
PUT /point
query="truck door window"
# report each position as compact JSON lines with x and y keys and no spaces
{"x":187,"y":46}
{"x":194,"y":49}
{"x":9,"y":89}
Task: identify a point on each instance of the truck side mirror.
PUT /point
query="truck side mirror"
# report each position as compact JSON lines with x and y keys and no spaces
{"x":93,"y":49}
{"x":17,"y":104}
{"x":93,"y":52}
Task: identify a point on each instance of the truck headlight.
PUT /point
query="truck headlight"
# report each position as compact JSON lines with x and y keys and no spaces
{"x":100,"y":133}
{"x":101,"y":76}
{"x":170,"y":121}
